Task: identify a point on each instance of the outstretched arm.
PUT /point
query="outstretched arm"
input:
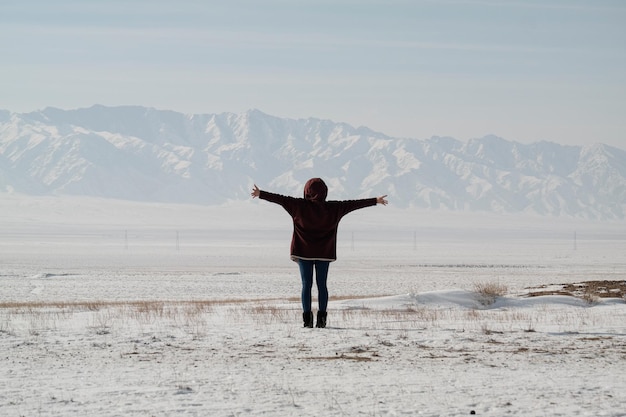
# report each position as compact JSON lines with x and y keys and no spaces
{"x":382,"y":200}
{"x":288,"y":203}
{"x":255,"y":191}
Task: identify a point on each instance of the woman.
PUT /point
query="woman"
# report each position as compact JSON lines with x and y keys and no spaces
{"x":314,"y":240}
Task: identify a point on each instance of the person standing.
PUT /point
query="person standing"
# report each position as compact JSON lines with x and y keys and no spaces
{"x":314,"y":239}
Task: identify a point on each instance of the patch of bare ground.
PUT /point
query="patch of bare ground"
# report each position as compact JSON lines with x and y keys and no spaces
{"x":587,"y":290}
{"x":356,"y":353}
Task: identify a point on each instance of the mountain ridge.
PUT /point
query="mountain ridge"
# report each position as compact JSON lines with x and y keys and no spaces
{"x":145,"y":154}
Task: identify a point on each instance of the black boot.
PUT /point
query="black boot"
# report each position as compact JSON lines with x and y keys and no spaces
{"x":308,"y":319}
{"x":321,"y":319}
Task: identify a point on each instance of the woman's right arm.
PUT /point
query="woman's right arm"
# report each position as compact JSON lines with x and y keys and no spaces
{"x":287,"y":203}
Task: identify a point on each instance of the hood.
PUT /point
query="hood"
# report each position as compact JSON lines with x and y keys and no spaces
{"x":315,"y":190}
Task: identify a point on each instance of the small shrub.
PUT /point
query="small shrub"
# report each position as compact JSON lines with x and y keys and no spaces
{"x":590,"y":297}
{"x":488,"y":292}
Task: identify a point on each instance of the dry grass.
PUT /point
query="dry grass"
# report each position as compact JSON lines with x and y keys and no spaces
{"x":270,"y":314}
{"x":589,"y":291}
{"x":196,"y":317}
{"x":488,"y":292}
{"x":139,"y":305}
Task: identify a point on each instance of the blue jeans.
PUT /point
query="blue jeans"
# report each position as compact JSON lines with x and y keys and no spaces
{"x":321,"y":275}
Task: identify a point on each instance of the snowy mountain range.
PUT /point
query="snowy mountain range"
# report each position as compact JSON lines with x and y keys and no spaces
{"x":143,"y":154}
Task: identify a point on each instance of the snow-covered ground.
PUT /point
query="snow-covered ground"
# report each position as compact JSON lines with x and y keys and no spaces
{"x":114,"y":308}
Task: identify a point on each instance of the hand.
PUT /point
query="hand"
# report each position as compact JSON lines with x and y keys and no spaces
{"x":381,"y":200}
{"x":255,"y":192}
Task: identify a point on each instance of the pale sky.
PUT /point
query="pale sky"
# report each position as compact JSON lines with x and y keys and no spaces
{"x":525,"y":70}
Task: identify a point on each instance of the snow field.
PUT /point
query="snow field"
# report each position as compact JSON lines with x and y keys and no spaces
{"x":104,"y":315}
{"x":384,"y":356}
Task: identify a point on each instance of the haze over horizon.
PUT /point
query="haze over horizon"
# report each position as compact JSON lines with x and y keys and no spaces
{"x":523,"y":70}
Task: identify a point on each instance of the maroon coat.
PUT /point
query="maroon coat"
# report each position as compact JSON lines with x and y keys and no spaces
{"x":315,"y":220}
